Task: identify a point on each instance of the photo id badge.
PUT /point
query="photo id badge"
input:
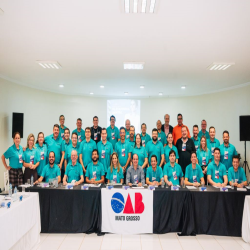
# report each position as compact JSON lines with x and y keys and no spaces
{"x":103,"y":154}
{"x":62,"y":135}
{"x":127,"y":136}
{"x":236,"y":180}
{"x":20,"y":158}
{"x":79,"y":138}
{"x":174,"y":175}
{"x":159,"y":138}
{"x":32,"y":159}
{"x":204,"y":161}
{"x":135,"y":178}
{"x":94,"y":175}
{"x":143,"y":143}
{"x":153,"y":178}
{"x":95,"y":136}
{"x":123,"y":152}
{"x":216,"y":174}
{"x":195,"y":178}
{"x":212,"y":150}
{"x":115,"y":178}
{"x":42,"y":155}
{"x":113,"y":136}
{"x":226,"y":155}
{"x":196,"y":147}
{"x":184,"y":147}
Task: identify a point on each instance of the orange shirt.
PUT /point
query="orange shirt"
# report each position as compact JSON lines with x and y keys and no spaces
{"x":177,"y":133}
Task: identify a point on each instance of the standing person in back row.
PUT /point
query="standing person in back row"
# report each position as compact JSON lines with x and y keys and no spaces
{"x":203,"y":129}
{"x":212,"y":142}
{"x":166,"y":128}
{"x":80,"y":132}
{"x":185,"y":146}
{"x":62,"y":127}
{"x":177,"y":129}
{"x":145,"y":138}
{"x":96,"y":130}
{"x":113,"y":134}
{"x":161,"y":135}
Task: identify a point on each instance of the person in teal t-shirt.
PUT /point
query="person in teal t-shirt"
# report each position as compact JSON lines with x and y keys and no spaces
{"x":74,"y":172}
{"x":113,"y":135}
{"x":236,"y":174}
{"x":145,"y":138}
{"x":195,"y":137}
{"x":131,"y":138}
{"x":154,"y":173}
{"x":105,"y":150}
{"x":170,"y":147}
{"x":62,"y":127}
{"x":66,"y":141}
{"x":227,"y":151}
{"x":193,"y":173}
{"x":80,"y":132}
{"x":172,"y":171}
{"x":212,"y":142}
{"x":161,"y":135}
{"x":95,"y":171}
{"x":216,"y":171}
{"x":203,"y":154}
{"x":203,"y":131}
{"x":127,"y":129}
{"x":115,"y":171}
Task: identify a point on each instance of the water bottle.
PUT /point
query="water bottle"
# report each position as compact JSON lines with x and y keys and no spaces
{"x":32,"y":180}
{"x":15,"y":194}
{"x":56,"y":182}
{"x":10,"y":190}
{"x":162,"y":182}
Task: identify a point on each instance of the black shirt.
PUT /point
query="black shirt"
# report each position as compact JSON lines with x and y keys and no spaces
{"x":96,"y":134}
{"x":185,"y":156}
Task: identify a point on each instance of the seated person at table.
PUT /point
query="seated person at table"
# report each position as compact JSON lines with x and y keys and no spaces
{"x":172,"y":171}
{"x":115,"y":171}
{"x":216,"y":171}
{"x":193,"y":174}
{"x":74,"y":171}
{"x":236,"y":174}
{"x":135,"y":174}
{"x":95,"y":170}
{"x":154,"y":173}
{"x":51,"y":170}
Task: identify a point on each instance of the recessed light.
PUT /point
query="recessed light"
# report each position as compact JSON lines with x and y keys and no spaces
{"x":183,"y":87}
{"x":125,"y":93}
{"x":91,"y":93}
{"x":126,"y":2}
{"x":142,"y":86}
{"x":143,"y":6}
{"x":133,"y":65}
{"x":101,"y":86}
{"x":61,"y":86}
{"x":152,"y":6}
{"x":160,"y":93}
{"x":49,"y":64}
{"x":220,"y":66}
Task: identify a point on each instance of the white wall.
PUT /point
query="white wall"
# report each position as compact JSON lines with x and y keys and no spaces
{"x":42,"y":109}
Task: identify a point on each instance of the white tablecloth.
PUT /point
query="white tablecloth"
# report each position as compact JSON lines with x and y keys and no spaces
{"x":20,"y":224}
{"x":246,"y":220}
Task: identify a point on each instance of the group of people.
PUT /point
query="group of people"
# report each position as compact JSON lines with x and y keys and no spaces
{"x":98,"y":155}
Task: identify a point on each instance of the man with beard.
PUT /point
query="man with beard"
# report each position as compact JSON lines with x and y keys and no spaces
{"x":203,"y":130}
{"x":131,"y":138}
{"x":227,"y":151}
{"x":166,"y":128}
{"x":161,"y":135}
{"x":145,"y":138}
{"x":195,"y":137}
{"x":96,"y":130}
{"x":127,"y":128}
{"x":80,"y":132}
{"x":95,"y":171}
{"x":50,"y":171}
{"x":212,"y":142}
{"x":155,"y":147}
{"x":113,"y":135}
{"x":62,"y":126}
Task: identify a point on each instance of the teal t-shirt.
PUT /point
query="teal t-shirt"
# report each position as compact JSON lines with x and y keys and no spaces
{"x":239,"y":176}
{"x":113,"y":135}
{"x":162,"y":138}
{"x":15,"y":156}
{"x":204,"y":157}
{"x":167,"y":149}
{"x":43,"y":157}
{"x":68,"y":151}
{"x":95,"y":171}
{"x":196,"y":142}
{"x":154,"y":149}
{"x":173,"y":173}
{"x":74,"y":172}
{"x":123,"y":150}
{"x":205,"y":134}
{"x":142,"y":155}
{"x":216,"y":172}
{"x":86,"y":149}
{"x":194,"y":175}
{"x":115,"y":176}
{"x":31,"y":156}
{"x":212,"y":145}
{"x":226,"y":154}
{"x":50,"y":172}
{"x":105,"y":151}
{"x":80,"y":135}
{"x":65,"y":144}
{"x":61,"y":131}
{"x":145,"y":139}
{"x":154,"y":175}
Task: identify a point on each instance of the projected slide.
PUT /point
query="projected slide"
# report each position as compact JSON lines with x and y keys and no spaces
{"x":123,"y":110}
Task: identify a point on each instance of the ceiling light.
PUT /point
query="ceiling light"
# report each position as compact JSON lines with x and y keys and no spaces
{"x":101,"y":86}
{"x":49,"y":64}
{"x":61,"y":86}
{"x":143,"y":6}
{"x":220,"y":66}
{"x":126,"y":2}
{"x":135,"y":6}
{"x":133,"y":65}
{"x":142,"y":87}
{"x":91,"y":93}
{"x":125,"y":93}
{"x":152,"y":6}
{"x":183,"y":87}
{"x":160,"y":93}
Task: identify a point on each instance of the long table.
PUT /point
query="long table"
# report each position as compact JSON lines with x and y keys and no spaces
{"x":189,"y":212}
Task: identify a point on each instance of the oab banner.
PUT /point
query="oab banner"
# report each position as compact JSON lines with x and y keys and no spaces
{"x":127,"y":211}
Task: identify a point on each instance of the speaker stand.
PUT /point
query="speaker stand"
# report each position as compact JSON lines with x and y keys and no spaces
{"x":245,"y":164}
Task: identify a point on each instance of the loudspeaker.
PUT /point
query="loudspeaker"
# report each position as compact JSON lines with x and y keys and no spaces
{"x":245,"y":128}
{"x":17,"y":123}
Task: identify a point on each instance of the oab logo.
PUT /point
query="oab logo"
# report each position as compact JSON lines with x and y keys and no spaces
{"x":119,"y":204}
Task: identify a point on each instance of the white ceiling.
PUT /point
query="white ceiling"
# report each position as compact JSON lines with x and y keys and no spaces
{"x":92,"y":38}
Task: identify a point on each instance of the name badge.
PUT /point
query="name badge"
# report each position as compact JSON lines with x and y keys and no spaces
{"x":32,"y":159}
{"x":20,"y":158}
{"x":196,"y":147}
{"x":127,"y":136}
{"x":79,"y":138}
{"x":135,"y":178}
{"x":159,"y":138}
{"x":174,"y":175}
{"x":216,"y":174}
{"x":103,"y":154}
{"x":123,"y":152}
{"x":204,"y":162}
{"x":113,"y":136}
{"x":195,"y":178}
{"x":95,"y":136}
{"x":212,"y":150}
{"x":94,"y":175}
{"x":42,"y":155}
{"x":153,"y":178}
{"x":143,"y":143}
{"x":115,"y":178}
{"x":62,"y":135}
{"x":184,"y":147}
{"x":236,"y":180}
{"x":226,"y":155}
